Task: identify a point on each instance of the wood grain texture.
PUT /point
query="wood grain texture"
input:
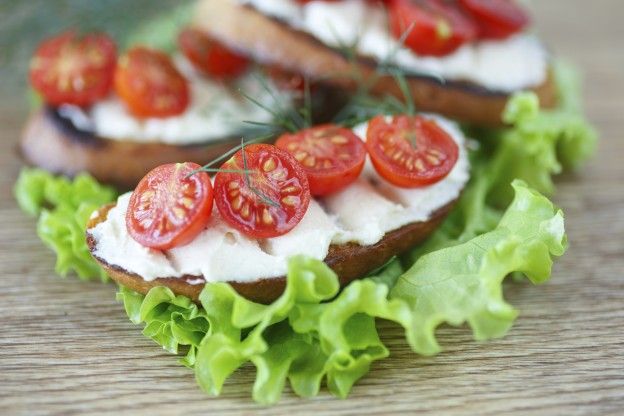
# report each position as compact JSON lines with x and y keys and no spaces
{"x":66,"y":347}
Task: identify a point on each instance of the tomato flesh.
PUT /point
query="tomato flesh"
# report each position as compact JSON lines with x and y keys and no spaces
{"x":150,"y":85}
{"x":169,"y":208}
{"x":332,"y":157}
{"x":496,"y":19}
{"x":410,"y":151}
{"x":209,"y":56}
{"x":72,"y":69}
{"x":267,"y":201}
{"x":435,"y":28}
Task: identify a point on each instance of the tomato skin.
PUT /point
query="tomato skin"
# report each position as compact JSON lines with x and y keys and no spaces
{"x":277,"y":176}
{"x":332,"y":157}
{"x":496,"y":19}
{"x":209,"y":56}
{"x":72,"y":69}
{"x":150,"y":85}
{"x":169,"y":208}
{"x":410,"y":151}
{"x":437,"y":28}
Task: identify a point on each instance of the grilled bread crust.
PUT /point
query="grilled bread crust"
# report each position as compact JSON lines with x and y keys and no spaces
{"x":349,"y":261}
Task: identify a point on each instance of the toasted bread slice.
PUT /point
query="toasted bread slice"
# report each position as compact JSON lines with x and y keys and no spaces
{"x":53,"y":143}
{"x":272,"y":42}
{"x":349,"y":261}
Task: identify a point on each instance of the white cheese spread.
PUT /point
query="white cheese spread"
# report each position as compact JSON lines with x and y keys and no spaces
{"x":512,"y":64}
{"x":362,"y":213}
{"x":216,"y":111}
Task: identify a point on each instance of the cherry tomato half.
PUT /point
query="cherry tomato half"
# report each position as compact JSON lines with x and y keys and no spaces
{"x":268,"y":200}
{"x":496,"y":19}
{"x":437,"y":28}
{"x":210,"y":56}
{"x":332,"y":157}
{"x":410,"y":151}
{"x":150,"y":85}
{"x":73,"y":69}
{"x":169,"y":208}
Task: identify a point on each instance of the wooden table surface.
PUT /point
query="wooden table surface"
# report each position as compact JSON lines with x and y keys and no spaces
{"x":66,"y":347}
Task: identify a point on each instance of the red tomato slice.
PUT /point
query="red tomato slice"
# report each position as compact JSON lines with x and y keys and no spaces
{"x":72,"y":69}
{"x":410,"y":152}
{"x":332,"y":157}
{"x":497,"y":19}
{"x":150,"y":85}
{"x":169,"y":208}
{"x":437,"y":28}
{"x":269,"y":201}
{"x":210,"y":56}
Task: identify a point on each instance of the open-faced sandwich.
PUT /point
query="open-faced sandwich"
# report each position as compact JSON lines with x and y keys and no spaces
{"x":117,"y":118}
{"x":462,"y":58}
{"x":307,"y":195}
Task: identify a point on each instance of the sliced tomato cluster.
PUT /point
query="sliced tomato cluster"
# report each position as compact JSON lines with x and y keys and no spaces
{"x":80,"y":70}
{"x":264,"y":190}
{"x":439,"y":27}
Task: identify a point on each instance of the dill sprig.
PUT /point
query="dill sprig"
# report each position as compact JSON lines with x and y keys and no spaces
{"x":285,"y":117}
{"x":363,"y":105}
{"x":208,"y":166}
{"x":264,"y":198}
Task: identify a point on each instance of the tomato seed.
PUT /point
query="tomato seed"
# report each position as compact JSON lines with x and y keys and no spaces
{"x":269,"y":165}
{"x":245,"y":210}
{"x":290,"y":200}
{"x":266,"y":217}
{"x":237,"y":203}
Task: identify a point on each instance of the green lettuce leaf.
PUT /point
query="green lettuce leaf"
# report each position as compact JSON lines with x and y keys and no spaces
{"x":297,"y":338}
{"x":63,"y":207}
{"x":304,"y":336}
{"x":313,"y":334}
{"x":463,"y":283}
{"x":172,"y":321}
{"x":540,"y":143}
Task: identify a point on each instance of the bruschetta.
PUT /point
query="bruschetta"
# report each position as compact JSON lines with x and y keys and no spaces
{"x":117,"y":118}
{"x":462,"y":59}
{"x":322,"y":192}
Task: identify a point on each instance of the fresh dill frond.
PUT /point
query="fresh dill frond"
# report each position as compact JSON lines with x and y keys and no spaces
{"x":257,"y":192}
{"x":285,"y":117}
{"x":409,"y":106}
{"x":208,"y":166}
